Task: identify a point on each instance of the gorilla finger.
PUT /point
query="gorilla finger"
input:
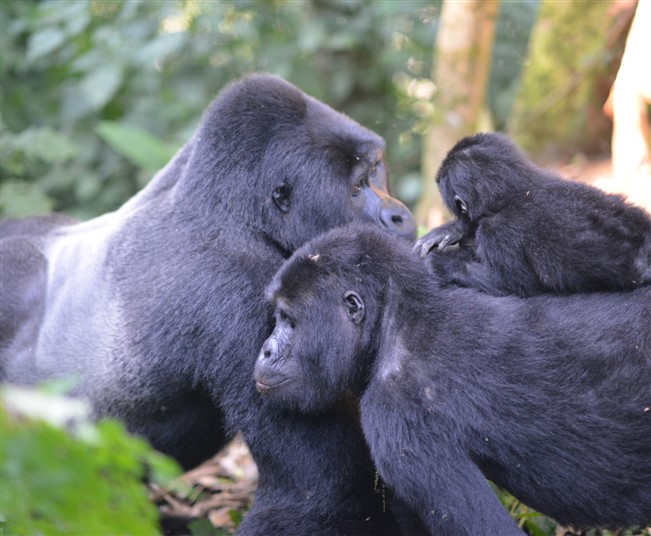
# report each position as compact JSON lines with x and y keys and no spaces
{"x":446,"y":241}
{"x":425,"y":245}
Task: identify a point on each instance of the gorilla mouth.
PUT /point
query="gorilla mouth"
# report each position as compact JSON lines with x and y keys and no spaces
{"x":263,"y":387}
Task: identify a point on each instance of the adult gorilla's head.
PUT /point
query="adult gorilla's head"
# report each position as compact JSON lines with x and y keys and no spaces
{"x":274,"y":159}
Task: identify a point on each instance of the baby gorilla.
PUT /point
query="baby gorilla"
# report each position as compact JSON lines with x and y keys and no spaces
{"x":533,"y":231}
{"x":548,"y":397}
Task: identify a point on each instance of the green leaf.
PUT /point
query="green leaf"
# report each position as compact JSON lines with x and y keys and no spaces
{"x":159,"y":49}
{"x":101,"y":84}
{"x":136,"y":145}
{"x":202,"y":527}
{"x":236,"y":517}
{"x":44,"y":42}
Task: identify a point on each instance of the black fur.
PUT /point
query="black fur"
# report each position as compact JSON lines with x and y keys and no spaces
{"x":159,"y":306}
{"x":549,"y":397}
{"x":531,"y":230}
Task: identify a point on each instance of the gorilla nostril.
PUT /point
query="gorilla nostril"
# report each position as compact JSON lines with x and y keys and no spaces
{"x":396,"y":218}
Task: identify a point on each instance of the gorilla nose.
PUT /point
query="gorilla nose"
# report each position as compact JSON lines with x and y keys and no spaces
{"x":269,"y":349}
{"x":397,"y":219}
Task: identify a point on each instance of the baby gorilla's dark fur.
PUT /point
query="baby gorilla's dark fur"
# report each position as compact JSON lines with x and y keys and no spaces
{"x":548,"y":397}
{"x":533,"y":231}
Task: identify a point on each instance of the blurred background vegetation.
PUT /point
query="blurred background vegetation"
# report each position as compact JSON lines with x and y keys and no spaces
{"x":96,"y":95}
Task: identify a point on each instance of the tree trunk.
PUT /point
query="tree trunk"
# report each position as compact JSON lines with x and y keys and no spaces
{"x":462,"y":65}
{"x":629,"y":98}
{"x":571,"y":63}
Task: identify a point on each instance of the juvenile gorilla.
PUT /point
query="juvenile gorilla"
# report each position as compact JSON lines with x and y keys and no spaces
{"x":548,"y":397}
{"x":531,"y":231}
{"x":159,"y":307}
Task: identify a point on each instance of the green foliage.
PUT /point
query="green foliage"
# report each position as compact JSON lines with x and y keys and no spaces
{"x":137,"y":146}
{"x":35,"y":151}
{"x":236,"y":517}
{"x":118,"y":84}
{"x":83,"y":478}
{"x":124,"y":83}
{"x":534,"y":523}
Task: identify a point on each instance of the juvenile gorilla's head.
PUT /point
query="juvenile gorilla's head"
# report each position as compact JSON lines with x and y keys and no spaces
{"x":271,"y":158}
{"x":329,"y":301}
{"x":479,"y":173}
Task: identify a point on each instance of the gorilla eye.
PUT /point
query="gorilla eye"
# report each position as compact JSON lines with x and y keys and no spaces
{"x":284,"y":318}
{"x":281,"y":197}
{"x":357,"y":189}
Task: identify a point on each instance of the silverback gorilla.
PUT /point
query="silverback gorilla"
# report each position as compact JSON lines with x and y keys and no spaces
{"x":159,"y":307}
{"x":531,"y":231}
{"x":549,"y":397}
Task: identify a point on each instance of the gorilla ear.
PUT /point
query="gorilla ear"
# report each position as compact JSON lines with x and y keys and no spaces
{"x":281,"y":197}
{"x":354,"y":306}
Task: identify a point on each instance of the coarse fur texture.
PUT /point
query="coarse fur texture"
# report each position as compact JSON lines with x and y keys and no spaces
{"x":159,"y":310}
{"x":549,"y":397}
{"x":530,"y":230}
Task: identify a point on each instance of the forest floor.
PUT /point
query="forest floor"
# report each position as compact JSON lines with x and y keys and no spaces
{"x":219,"y":491}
